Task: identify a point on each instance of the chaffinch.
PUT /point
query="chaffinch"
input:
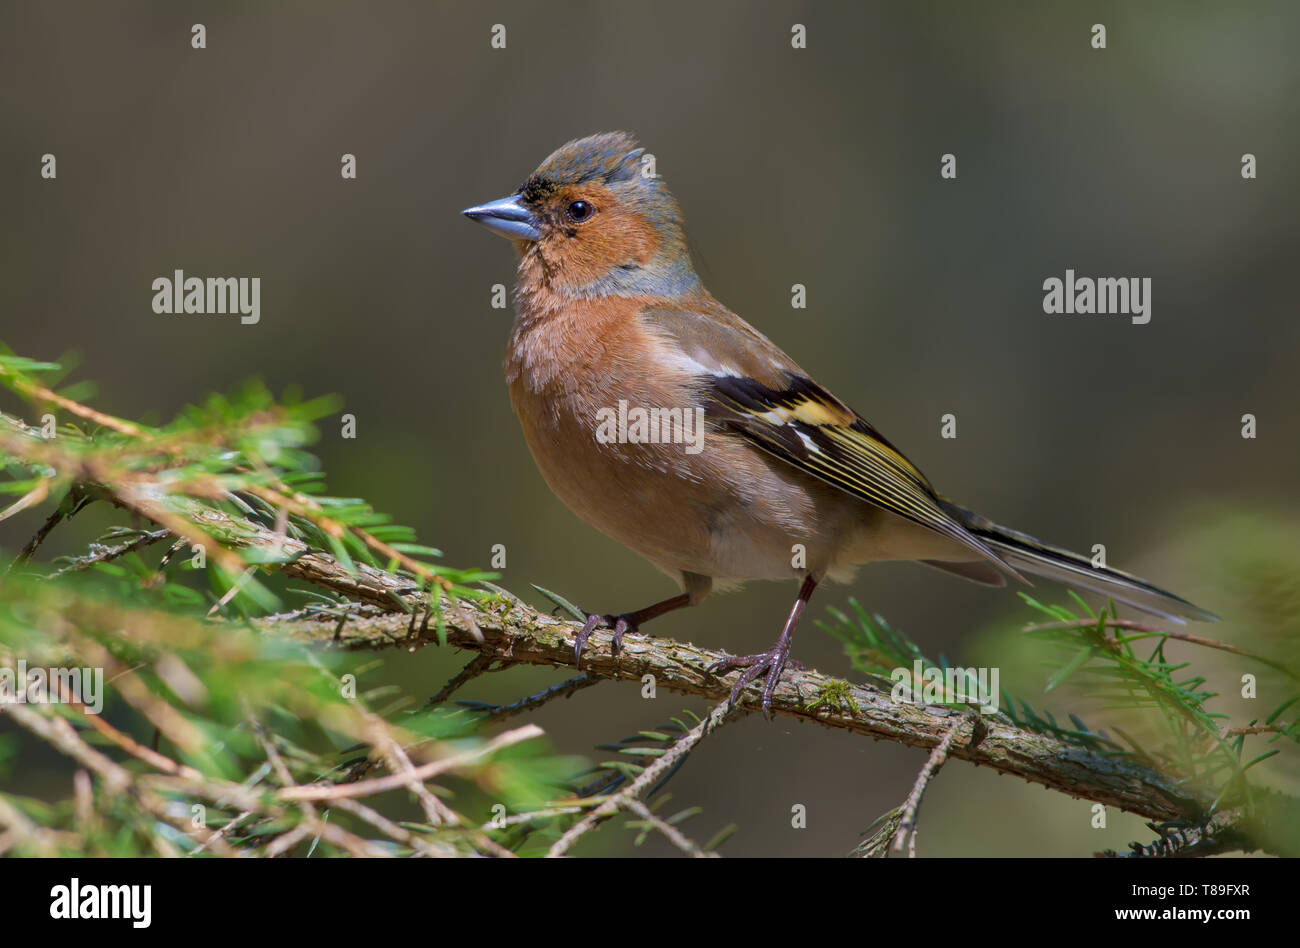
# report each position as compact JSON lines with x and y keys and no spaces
{"x":617,"y":347}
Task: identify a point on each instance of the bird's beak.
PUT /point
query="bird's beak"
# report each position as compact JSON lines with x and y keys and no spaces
{"x":507,"y":217}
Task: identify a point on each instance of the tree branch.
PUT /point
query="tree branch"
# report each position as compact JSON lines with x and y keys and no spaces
{"x":520,"y":634}
{"x":513,"y":632}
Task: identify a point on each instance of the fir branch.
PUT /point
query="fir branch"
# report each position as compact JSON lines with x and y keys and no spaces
{"x":1146,"y":630}
{"x":907,"y":823}
{"x":565,"y":689}
{"x":625,"y":798}
{"x":526,"y":636}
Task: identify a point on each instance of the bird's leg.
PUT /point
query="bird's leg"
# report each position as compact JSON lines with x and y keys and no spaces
{"x":770,"y":663}
{"x":627,"y":622}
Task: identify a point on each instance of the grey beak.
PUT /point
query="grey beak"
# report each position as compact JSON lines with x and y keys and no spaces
{"x":507,"y":217}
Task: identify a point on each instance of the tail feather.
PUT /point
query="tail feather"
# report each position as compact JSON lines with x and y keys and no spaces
{"x":1025,"y":553}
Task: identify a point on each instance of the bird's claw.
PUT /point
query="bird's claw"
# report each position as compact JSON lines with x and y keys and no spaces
{"x":771,"y":664}
{"x":619,"y":625}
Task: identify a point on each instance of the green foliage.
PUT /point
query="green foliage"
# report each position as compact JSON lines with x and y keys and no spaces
{"x":1119,"y":666}
{"x":204,"y":708}
{"x":876,"y":649}
{"x":250,"y":713}
{"x":243,"y":456}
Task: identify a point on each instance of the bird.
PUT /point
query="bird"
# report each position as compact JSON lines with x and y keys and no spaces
{"x":784,"y":482}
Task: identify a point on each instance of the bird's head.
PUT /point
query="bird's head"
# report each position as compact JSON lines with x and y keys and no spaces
{"x":595,"y":223}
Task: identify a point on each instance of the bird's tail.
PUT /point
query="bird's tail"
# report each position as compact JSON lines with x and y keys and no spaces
{"x":1023,"y":552}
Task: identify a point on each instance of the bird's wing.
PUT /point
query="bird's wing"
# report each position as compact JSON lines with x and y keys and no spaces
{"x":751,"y":387}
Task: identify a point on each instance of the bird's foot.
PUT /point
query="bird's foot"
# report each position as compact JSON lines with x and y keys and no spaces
{"x":619,"y":625}
{"x":771,"y":663}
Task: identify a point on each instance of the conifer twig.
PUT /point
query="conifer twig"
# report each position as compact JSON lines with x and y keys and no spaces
{"x":666,"y":829}
{"x":907,"y":824}
{"x":646,"y":779}
{"x":478,"y":665}
{"x":424,"y":772}
{"x":1146,"y":630}
{"x":564,"y":689}
{"x":108,"y":554}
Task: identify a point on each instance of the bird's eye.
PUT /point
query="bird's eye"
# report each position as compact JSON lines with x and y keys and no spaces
{"x":580,"y":211}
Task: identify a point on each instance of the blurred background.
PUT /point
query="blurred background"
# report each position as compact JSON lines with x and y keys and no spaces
{"x":817,"y":166}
